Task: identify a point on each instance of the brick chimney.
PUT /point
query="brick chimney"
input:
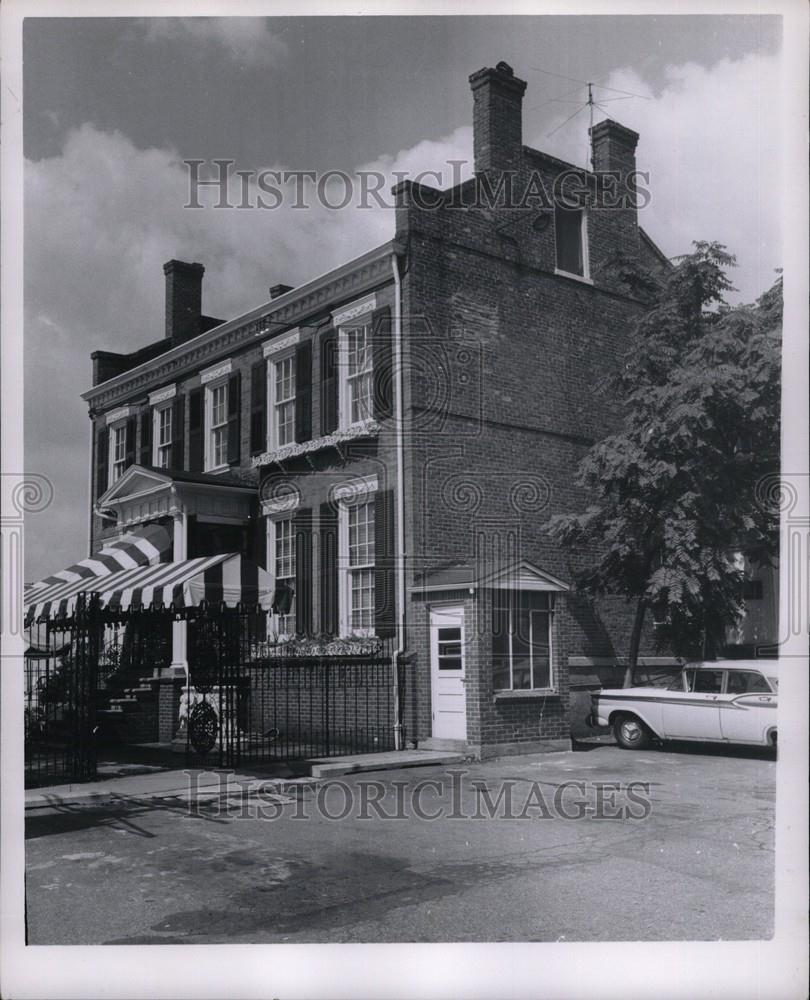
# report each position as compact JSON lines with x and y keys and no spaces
{"x":497,"y":118}
{"x":613,"y":147}
{"x":277,"y":290}
{"x":183,"y":299}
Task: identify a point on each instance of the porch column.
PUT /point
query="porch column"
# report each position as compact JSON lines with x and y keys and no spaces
{"x":180,"y":629}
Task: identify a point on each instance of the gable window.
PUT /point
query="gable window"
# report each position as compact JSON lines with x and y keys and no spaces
{"x":282,"y":401}
{"x":521,"y":640}
{"x":217,"y":406}
{"x":570,"y":227}
{"x":118,"y":451}
{"x":356,"y":394}
{"x":356,"y":559}
{"x":282,"y":560}
{"x":163,"y":436}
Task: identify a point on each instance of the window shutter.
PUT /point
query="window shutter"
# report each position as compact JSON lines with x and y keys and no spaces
{"x":303,"y":391}
{"x":328,"y":530}
{"x":102,"y":459}
{"x":234,"y":423}
{"x":329,"y":381}
{"x":146,"y":437}
{"x":178,"y":432}
{"x":384,"y":564}
{"x":132,"y":424}
{"x":302,"y":525}
{"x":258,"y":408}
{"x":195,"y":431}
{"x":383,"y":376}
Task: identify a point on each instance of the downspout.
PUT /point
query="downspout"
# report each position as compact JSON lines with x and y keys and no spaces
{"x":90,"y":502}
{"x":400,"y":502}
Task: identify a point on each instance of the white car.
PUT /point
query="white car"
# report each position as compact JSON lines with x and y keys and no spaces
{"x":726,"y":701}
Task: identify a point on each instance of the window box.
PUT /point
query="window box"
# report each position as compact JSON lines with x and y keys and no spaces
{"x":368,"y":428}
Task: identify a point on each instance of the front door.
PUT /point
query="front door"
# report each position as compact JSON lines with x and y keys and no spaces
{"x":447,"y":666}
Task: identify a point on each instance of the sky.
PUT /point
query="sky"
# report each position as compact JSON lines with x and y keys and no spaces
{"x":113,"y":106}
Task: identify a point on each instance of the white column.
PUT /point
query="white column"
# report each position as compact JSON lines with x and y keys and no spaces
{"x":180,"y":629}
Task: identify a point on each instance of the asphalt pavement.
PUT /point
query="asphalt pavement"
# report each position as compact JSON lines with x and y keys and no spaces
{"x":601,"y":844}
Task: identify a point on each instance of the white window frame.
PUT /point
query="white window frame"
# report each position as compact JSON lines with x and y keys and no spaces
{"x":550,"y":612}
{"x":210,"y":388}
{"x":344,"y":396}
{"x":345,"y":571}
{"x":272,"y":425}
{"x":586,"y":257}
{"x":112,"y":478}
{"x":157,"y":412}
{"x":283,"y":630}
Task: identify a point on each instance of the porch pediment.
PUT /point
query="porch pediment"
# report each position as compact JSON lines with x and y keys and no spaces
{"x":144,"y":493}
{"x":518,"y":575}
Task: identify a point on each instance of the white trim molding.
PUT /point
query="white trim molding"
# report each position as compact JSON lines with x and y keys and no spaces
{"x":209,"y":374}
{"x":162,"y":395}
{"x":281,"y":504}
{"x":354,"y":489}
{"x":122,"y":413}
{"x":360,"y":308}
{"x":282,"y":343}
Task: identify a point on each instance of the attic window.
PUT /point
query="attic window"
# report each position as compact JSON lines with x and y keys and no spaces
{"x":571,"y":238}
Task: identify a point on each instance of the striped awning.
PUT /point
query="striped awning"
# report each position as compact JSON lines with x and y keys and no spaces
{"x":228,"y":579}
{"x":150,"y":544}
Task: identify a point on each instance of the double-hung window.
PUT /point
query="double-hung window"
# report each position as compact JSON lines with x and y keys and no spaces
{"x":357,"y":566}
{"x":163,"y":437}
{"x":217,"y":406}
{"x":282,"y":554}
{"x":357,"y":388}
{"x":521,"y":641}
{"x":282,"y":401}
{"x":118,"y":451}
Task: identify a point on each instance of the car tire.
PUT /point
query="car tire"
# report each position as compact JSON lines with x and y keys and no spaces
{"x":631,"y":733}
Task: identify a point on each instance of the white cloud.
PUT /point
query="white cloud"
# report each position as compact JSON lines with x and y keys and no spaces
{"x":248,"y":40}
{"x":710,"y":139}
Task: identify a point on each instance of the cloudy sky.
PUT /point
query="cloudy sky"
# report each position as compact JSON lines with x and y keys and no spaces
{"x":113,"y":106}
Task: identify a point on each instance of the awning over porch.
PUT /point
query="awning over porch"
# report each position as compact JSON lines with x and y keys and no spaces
{"x":227,"y":579}
{"x":150,"y":544}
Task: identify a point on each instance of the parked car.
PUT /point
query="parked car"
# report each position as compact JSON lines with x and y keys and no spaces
{"x":726,"y":701}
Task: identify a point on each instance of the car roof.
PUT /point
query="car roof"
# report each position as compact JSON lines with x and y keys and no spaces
{"x":763,"y":666}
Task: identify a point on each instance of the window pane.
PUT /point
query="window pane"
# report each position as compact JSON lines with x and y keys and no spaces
{"x":362,"y":598}
{"x":541,"y":649}
{"x":745,"y":681}
{"x":361,"y":534}
{"x":705,"y":681}
{"x":568,"y":223}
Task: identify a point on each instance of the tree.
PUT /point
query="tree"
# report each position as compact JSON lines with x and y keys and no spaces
{"x":674,"y":491}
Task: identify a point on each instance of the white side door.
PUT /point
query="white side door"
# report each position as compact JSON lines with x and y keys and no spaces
{"x":747,"y":707}
{"x":447,"y":671}
{"x":695,"y":713}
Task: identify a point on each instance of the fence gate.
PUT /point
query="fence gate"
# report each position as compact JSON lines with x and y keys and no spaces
{"x":61,"y":668}
{"x":252,"y":700}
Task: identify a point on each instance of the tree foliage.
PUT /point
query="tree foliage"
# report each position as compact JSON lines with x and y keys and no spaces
{"x":674,"y":491}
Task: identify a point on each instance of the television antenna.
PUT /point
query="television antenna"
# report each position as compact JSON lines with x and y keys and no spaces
{"x":590,"y":103}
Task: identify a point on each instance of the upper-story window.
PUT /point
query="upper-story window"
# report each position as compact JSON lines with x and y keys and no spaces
{"x":217,"y":424}
{"x":163,"y":431}
{"x":571,"y":234}
{"x":357,"y":393}
{"x":118,"y":451}
{"x":282,"y":400}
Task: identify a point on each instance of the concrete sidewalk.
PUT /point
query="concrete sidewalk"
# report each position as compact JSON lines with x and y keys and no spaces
{"x":176,"y":783}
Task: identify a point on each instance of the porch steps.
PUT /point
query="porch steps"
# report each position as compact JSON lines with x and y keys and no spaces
{"x":390,"y":760}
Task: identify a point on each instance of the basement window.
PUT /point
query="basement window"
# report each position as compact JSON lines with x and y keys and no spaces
{"x":570,"y":228}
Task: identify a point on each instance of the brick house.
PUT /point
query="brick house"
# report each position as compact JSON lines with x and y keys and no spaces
{"x":387,"y":439}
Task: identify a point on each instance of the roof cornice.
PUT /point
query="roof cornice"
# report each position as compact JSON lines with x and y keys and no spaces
{"x":352,"y":278}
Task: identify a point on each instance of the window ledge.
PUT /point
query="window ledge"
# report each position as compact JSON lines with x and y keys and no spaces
{"x":526,"y":694}
{"x":574,"y":277}
{"x":368,"y":428}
